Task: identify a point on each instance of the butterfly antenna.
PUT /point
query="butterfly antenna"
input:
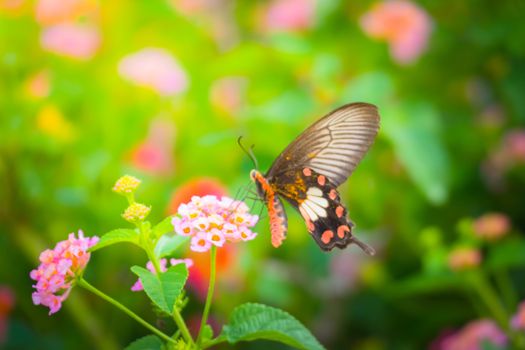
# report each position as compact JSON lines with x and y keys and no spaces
{"x":248,"y":152}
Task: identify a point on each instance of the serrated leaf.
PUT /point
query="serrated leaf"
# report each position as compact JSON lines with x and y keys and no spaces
{"x":149,"y":342}
{"x":163,"y":227}
{"x":116,"y":236}
{"x":163,"y":290}
{"x":167,"y":244}
{"x":256,"y":321}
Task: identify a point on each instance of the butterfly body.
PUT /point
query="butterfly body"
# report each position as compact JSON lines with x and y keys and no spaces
{"x":309,"y":170}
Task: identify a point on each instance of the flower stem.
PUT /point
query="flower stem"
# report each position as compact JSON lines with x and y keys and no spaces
{"x":506,"y":289}
{"x":490,"y":298}
{"x":83,"y":283}
{"x":209,"y":297}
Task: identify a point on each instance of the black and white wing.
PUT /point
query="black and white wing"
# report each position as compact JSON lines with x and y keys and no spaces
{"x":333,"y":146}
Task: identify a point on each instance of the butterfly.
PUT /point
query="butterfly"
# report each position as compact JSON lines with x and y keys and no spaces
{"x":307,"y":173}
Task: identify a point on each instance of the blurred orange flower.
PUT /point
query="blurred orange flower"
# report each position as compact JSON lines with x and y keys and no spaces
{"x":59,"y":11}
{"x":196,"y":187}
{"x":79,"y":41}
{"x":403,"y":24}
{"x":154,"y":68}
{"x":52,"y":122}
{"x":13,"y":7}
{"x":38,"y":85}
{"x":492,"y":226}
{"x":464,"y":258}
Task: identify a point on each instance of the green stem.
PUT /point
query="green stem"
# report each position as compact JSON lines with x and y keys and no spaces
{"x":209,"y":297}
{"x":179,"y":321}
{"x":508,"y":293}
{"x":83,"y":283}
{"x":490,"y":299}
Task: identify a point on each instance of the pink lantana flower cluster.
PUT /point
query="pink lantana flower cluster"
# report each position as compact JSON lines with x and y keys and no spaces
{"x":212,"y":221}
{"x":58,"y":269}
{"x":137,"y":287}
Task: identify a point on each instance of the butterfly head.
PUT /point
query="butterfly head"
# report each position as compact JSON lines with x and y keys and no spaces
{"x":260,"y":182}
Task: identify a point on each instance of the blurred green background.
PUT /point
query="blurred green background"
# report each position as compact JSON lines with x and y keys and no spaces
{"x":92,"y":90}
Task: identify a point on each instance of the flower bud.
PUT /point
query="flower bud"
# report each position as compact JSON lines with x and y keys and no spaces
{"x":126,"y":185}
{"x":136,"y":212}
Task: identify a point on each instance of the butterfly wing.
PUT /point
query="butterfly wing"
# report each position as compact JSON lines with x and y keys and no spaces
{"x":318,"y":201}
{"x":333,"y":146}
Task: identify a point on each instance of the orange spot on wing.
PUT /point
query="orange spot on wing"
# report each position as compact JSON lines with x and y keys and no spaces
{"x":307,"y":172}
{"x":332,"y":194}
{"x":321,"y":180}
{"x":341,"y":231}
{"x":339,"y":211}
{"x":327,"y":236}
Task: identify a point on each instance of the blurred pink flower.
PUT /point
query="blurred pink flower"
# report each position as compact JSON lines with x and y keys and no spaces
{"x":518,"y":320}
{"x":464,"y":258}
{"x":7,"y":303}
{"x":79,"y":41}
{"x":492,"y":226}
{"x":58,"y":269}
{"x":514,"y":144}
{"x":472,"y":336}
{"x":404,"y":25}
{"x":60,"y":11}
{"x":155,"y":154}
{"x":227,"y":94}
{"x":212,"y":221}
{"x":163,"y":267}
{"x":290,"y":15}
{"x":156,"y":69}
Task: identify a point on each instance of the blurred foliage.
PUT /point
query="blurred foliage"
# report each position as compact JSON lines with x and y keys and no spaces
{"x":69,"y":127}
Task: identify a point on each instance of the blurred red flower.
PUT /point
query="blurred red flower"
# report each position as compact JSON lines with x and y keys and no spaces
{"x":7,"y":302}
{"x":196,"y":187}
{"x":227,"y":258}
{"x":154,"y":154}
{"x":403,"y":24}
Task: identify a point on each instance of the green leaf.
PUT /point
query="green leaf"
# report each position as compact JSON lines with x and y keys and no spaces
{"x":149,"y":342}
{"x":117,"y":236}
{"x":163,"y":227}
{"x":255,"y":321}
{"x":506,"y":254}
{"x":167,"y":244}
{"x":163,"y":290}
